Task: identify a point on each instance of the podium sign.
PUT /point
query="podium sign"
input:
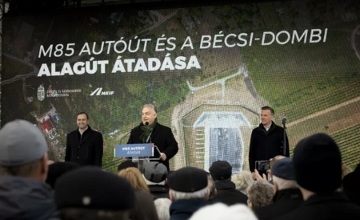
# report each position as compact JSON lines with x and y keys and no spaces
{"x":133,"y":150}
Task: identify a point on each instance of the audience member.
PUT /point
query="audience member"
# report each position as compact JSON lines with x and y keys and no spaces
{"x":221,"y":172}
{"x":317,"y":163}
{"x":23,"y":169}
{"x":93,"y":194}
{"x":188,"y":192}
{"x":57,"y":169}
{"x":155,"y":174}
{"x":135,"y":178}
{"x":287,"y":194}
{"x":351,"y":185}
{"x":221,"y":212}
{"x":260,"y":194}
{"x":144,"y":206}
{"x":162,"y":206}
{"x":242,"y":180}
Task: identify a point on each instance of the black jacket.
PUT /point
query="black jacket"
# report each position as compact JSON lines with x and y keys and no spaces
{"x":24,"y":198}
{"x":183,"y":209}
{"x":86,"y":149}
{"x":284,"y":201}
{"x":266,"y":144}
{"x":162,"y":137}
{"x":333,"y":206}
{"x":227,"y":194}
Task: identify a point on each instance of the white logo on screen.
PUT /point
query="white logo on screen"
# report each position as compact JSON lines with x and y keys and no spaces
{"x":99,"y":91}
{"x":41,"y":93}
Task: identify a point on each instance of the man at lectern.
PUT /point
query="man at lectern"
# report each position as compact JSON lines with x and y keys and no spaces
{"x":150,"y":131}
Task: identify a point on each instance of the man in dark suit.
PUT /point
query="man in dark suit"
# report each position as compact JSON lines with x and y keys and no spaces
{"x":150,"y":131}
{"x":267,"y":140}
{"x":84,"y":146}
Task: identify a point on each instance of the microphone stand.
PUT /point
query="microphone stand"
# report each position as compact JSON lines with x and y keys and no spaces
{"x":284,"y":141}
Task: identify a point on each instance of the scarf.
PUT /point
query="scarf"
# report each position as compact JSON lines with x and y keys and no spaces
{"x":147,"y":130}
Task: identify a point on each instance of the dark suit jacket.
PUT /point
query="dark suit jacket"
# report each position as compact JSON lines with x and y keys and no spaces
{"x":266,"y":144}
{"x":162,"y":137}
{"x":333,"y":206}
{"x":85,"y":150}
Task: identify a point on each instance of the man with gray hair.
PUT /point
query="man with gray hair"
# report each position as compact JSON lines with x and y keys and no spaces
{"x":23,"y":169}
{"x":287,"y":193}
{"x":188,"y":192}
{"x":150,"y":131}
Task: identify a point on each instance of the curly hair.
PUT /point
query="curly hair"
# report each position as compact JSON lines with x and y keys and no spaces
{"x":260,"y":193}
{"x":242,"y":180}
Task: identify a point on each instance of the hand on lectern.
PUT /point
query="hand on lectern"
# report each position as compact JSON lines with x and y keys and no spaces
{"x":162,"y":156}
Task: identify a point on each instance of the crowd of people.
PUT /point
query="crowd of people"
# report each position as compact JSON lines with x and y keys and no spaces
{"x":310,"y":185}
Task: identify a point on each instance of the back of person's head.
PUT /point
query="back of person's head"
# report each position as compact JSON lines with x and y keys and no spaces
{"x":135,"y":178}
{"x":317,"y":163}
{"x":220,"y":170}
{"x":58,"y":169}
{"x":351,"y":183}
{"x":260,"y":194}
{"x":242,"y":180}
{"x":144,"y":206}
{"x":126,"y":164}
{"x":162,"y":206}
{"x":221,"y":211}
{"x":91,"y":193}
{"x":23,"y":150}
{"x":283,"y":174}
{"x":188,"y":183}
{"x":155,"y":173}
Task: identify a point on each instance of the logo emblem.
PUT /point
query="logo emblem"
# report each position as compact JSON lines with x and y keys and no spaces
{"x":99,"y":91}
{"x":41,"y":93}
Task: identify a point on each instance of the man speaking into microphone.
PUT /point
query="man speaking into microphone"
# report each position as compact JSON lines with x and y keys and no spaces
{"x":150,"y":131}
{"x":267,"y":140}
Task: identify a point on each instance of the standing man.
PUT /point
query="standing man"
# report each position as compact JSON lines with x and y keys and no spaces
{"x":84,"y":146}
{"x":150,"y":131}
{"x":267,"y":140}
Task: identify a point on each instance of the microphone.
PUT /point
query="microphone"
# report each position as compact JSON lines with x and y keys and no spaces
{"x":146,"y":123}
{"x":284,"y":120}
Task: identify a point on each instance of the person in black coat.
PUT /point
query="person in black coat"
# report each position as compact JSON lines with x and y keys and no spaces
{"x":266,"y":140}
{"x":84,"y":146}
{"x":318,"y":168}
{"x":287,"y":196}
{"x":220,"y":172}
{"x":150,"y":131}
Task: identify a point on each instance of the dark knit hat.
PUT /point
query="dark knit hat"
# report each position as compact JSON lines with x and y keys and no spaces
{"x":317,"y":163}
{"x":126,"y":164}
{"x":57,"y":169}
{"x":93,"y":188}
{"x":155,"y":172}
{"x":220,"y":170}
{"x":284,"y":169}
{"x":188,"y":179}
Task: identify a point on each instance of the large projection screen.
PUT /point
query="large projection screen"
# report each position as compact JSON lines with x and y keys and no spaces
{"x":207,"y":69}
